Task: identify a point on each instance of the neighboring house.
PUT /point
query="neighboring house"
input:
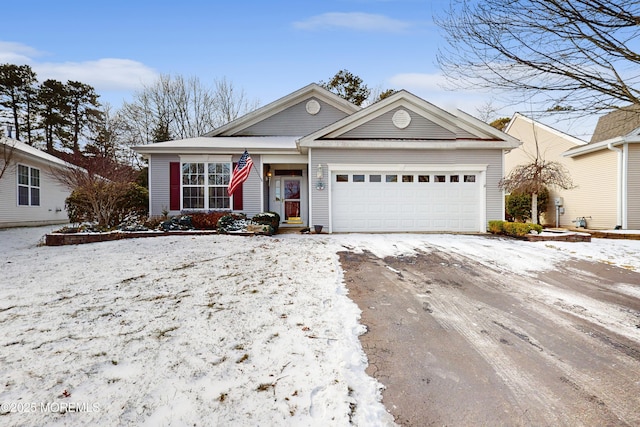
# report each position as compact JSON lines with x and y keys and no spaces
{"x":605,"y":171}
{"x":401,"y":164}
{"x":548,"y":144}
{"x":29,"y":193}
{"x":611,"y":160}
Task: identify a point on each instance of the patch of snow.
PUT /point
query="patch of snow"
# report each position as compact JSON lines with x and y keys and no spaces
{"x":211,"y":329}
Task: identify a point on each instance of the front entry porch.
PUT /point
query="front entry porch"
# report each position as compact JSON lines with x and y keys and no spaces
{"x":286,"y":193}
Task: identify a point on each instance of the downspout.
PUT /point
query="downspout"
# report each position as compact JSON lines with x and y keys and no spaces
{"x":621,"y":215}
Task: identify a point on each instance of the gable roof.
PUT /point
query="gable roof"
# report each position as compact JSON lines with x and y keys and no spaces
{"x":262,"y":113}
{"x":620,"y":122}
{"x":451,"y":130}
{"x":33,"y":152}
{"x":517,"y":116}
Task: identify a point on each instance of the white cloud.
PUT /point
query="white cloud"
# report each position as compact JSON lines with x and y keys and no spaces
{"x":106,"y":74}
{"x":102,"y":74}
{"x":16,"y":53}
{"x":356,"y":21}
{"x":419,"y":81}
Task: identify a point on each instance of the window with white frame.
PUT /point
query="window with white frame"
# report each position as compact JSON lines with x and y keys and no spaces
{"x":204,"y":185}
{"x":28,"y":186}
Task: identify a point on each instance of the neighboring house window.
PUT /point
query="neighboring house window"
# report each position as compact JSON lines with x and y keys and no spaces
{"x":28,"y":186}
{"x":205,"y":190}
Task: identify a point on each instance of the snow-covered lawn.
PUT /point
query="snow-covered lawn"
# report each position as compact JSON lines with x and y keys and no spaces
{"x":208,"y":330}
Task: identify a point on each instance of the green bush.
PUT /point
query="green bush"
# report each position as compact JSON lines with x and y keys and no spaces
{"x":232,"y":222}
{"x":267,"y":218}
{"x":519,"y":205}
{"x":495,"y":227}
{"x":515,"y":229}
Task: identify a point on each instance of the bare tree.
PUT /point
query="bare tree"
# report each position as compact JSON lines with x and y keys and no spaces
{"x":179,"y":108}
{"x":6,"y":156}
{"x":535,"y":176}
{"x":99,"y":185}
{"x":569,"y":55}
{"x":230,"y":102}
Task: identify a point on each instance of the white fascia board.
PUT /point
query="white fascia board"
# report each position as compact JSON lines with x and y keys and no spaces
{"x":591,"y":148}
{"x":556,"y":132}
{"x":285,"y":158}
{"x":459,"y":144}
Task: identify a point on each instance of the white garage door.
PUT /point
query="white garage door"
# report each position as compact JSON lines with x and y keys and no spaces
{"x":366,"y":201}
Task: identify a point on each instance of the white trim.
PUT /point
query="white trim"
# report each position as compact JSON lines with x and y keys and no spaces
{"x":310,"y":192}
{"x":206,"y":186}
{"x":149,"y":192}
{"x":443,"y":144}
{"x":205,"y":158}
{"x":285,"y":158}
{"x":435,"y":167}
{"x":29,"y":186}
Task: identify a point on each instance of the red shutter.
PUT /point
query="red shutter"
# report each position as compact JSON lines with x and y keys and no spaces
{"x":174,"y":186}
{"x":237,"y":196}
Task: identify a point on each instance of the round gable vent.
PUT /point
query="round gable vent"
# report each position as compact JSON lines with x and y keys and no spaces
{"x":401,"y":119}
{"x":313,"y":107}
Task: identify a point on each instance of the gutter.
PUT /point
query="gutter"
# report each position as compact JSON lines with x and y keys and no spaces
{"x":621,"y":202}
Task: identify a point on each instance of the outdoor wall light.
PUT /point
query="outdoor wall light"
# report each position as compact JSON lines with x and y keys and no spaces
{"x":319,"y":175}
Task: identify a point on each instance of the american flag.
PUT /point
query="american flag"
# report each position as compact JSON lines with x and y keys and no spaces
{"x":240,"y":173}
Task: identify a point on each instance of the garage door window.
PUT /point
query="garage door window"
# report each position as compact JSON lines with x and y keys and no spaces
{"x":439,"y":178}
{"x":375,"y":178}
{"x":469,"y":178}
{"x":407,"y":178}
{"x":454,"y":178}
{"x":391,"y":178}
{"x":423,"y":178}
{"x":342,"y":178}
{"x":358,"y":178}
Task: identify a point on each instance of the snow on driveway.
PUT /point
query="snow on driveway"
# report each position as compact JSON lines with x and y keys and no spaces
{"x":208,"y":330}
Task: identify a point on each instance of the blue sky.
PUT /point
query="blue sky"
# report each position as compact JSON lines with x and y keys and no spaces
{"x":267,"y":48}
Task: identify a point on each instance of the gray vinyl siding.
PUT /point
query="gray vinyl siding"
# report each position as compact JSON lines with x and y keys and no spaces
{"x":383,"y":128}
{"x":492,"y":157}
{"x":52,"y":196}
{"x":295,"y":121}
{"x":159,"y":183}
{"x":633,"y":188}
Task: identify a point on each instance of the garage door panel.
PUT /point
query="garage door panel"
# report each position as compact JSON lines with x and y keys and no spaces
{"x":404,"y":206}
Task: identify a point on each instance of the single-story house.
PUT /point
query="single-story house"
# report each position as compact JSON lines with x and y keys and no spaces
{"x":605,"y":171}
{"x":29,"y":193}
{"x":398,"y":165}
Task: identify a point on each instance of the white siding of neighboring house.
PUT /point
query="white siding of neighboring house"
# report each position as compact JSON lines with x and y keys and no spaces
{"x":633,"y":187}
{"x":595,"y":196}
{"x":52,"y":196}
{"x":491,"y":157}
{"x":550,"y":146}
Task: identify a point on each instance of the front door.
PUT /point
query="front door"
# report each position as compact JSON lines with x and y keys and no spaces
{"x":291,"y":192}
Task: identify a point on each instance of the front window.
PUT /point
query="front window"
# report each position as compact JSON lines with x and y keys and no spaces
{"x":28,"y":186}
{"x":208,"y":190}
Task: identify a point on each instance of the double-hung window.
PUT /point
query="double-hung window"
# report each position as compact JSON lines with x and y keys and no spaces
{"x":28,"y":186}
{"x":204,"y":185}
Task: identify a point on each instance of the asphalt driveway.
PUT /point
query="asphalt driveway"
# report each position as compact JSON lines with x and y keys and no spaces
{"x":457,"y":342}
